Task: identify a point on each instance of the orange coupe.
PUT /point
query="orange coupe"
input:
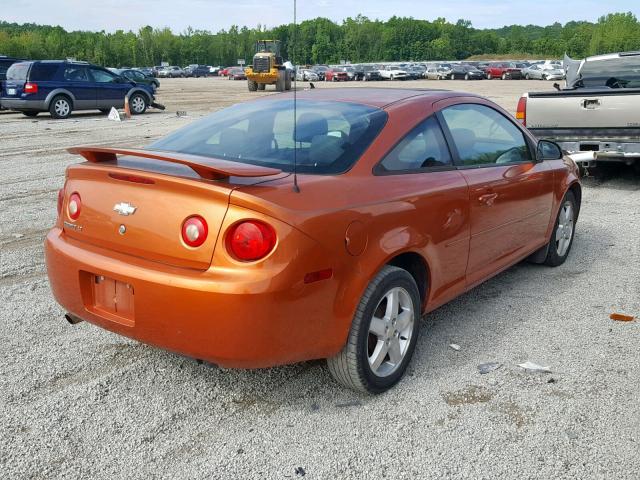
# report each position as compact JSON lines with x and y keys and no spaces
{"x":250,"y":240}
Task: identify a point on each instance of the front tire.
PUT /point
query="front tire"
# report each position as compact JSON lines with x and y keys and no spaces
{"x":138,"y":104}
{"x":563,"y":232}
{"x":60,"y":107}
{"x":383,"y":334}
{"x":489,"y":76}
{"x":253,"y":86}
{"x":504,"y":76}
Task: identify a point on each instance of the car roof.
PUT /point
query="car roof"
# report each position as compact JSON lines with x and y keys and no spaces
{"x":375,"y":97}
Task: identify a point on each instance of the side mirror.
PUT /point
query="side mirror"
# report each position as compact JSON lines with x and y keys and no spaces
{"x":548,"y":150}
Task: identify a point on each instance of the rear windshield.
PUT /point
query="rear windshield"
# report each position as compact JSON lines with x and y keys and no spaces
{"x":18,"y":72}
{"x":330,"y":136}
{"x":623,"y":72}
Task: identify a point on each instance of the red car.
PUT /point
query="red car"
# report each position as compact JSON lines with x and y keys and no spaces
{"x":403,"y":200}
{"x":335,"y":75}
{"x":503,"y":70}
{"x":236,"y":73}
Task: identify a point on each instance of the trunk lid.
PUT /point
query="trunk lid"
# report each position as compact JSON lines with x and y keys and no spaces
{"x":137,"y":206}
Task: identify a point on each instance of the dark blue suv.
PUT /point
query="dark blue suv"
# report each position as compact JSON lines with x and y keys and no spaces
{"x":61,"y":87}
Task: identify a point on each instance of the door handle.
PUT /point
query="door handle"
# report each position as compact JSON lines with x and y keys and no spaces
{"x":487,"y":198}
{"x":590,"y":104}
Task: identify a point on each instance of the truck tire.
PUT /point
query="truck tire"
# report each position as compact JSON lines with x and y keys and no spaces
{"x":60,"y":107}
{"x":280,"y":82}
{"x":287,"y":82}
{"x":376,"y":355}
{"x":252,"y":85}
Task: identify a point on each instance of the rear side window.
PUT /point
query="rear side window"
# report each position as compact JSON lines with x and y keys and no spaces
{"x":18,"y":72}
{"x":423,"y":148}
{"x":484,"y":136}
{"x":43,"y":72}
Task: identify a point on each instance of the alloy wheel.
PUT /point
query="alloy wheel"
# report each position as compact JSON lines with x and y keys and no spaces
{"x":564,"y":232}
{"x":62,"y":107}
{"x":390,"y":332}
{"x":137,"y":104}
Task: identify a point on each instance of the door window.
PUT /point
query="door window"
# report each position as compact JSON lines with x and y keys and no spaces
{"x":483,"y":136}
{"x":422,"y":148}
{"x":102,"y":76}
{"x":76,"y":74}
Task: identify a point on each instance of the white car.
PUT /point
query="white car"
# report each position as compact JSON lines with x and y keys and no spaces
{"x":393,"y":72}
{"x":306,"y":75}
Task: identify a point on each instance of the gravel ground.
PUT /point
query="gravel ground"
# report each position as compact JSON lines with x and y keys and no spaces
{"x":80,"y":402}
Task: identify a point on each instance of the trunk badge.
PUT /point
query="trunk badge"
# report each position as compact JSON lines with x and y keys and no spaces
{"x":124,"y":208}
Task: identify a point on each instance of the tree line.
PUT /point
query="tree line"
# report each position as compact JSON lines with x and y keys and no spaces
{"x":321,"y":40}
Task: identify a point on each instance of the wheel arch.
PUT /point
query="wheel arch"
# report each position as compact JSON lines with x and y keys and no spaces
{"x":59,"y":91}
{"x":417,"y":266}
{"x":135,"y":90}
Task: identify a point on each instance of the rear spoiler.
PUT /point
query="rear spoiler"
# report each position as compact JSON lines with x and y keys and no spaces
{"x":209,"y":168}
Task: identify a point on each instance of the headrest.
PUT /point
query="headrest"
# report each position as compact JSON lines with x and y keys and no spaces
{"x":310,"y":125}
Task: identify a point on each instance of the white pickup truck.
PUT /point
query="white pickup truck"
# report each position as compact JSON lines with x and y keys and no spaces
{"x":597,"y":113}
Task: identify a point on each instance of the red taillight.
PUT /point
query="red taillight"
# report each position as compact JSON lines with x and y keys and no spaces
{"x":194,"y":231}
{"x":60,"y":200}
{"x":521,"y":111}
{"x":251,"y":240}
{"x":74,"y":206}
{"x":30,"y":87}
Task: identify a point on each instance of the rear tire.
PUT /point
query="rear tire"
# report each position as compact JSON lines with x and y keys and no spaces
{"x":563,"y":232}
{"x":365,"y":362}
{"x":253,"y":86}
{"x":60,"y":107}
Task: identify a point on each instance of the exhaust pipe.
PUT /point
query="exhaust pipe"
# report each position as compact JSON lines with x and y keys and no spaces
{"x":72,"y":319}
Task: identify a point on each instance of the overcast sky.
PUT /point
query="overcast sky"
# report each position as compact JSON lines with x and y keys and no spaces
{"x":214,"y":15}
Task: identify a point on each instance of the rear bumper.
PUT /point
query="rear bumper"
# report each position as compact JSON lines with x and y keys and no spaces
{"x":11,"y":103}
{"x":218,"y":315}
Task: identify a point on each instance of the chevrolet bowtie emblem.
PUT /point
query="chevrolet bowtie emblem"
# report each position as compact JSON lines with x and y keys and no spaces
{"x":124,"y":208}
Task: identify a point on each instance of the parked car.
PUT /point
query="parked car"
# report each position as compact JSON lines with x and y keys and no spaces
{"x":5,"y":63}
{"x":543,"y":72}
{"x":61,"y":87}
{"x":335,"y":75}
{"x":596,"y":115}
{"x":371,"y":73}
{"x":171,"y":72}
{"x":156,"y":70}
{"x":393,"y":72}
{"x":214,"y":71}
{"x":503,"y":70}
{"x":320,"y":71}
{"x":240,"y":257}
{"x":415,"y":72}
{"x":306,"y":75}
{"x":465,"y":72}
{"x":138,"y":77}
{"x":438,"y":71}
{"x":147,"y":71}
{"x":236,"y":73}
{"x":196,"y":71}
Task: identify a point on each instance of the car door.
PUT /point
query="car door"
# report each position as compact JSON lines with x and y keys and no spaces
{"x":110,"y":91}
{"x":510,"y":192}
{"x":419,"y":173}
{"x":77,"y":80}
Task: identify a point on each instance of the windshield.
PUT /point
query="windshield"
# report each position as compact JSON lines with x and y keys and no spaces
{"x":330,"y":136}
{"x":623,"y":72}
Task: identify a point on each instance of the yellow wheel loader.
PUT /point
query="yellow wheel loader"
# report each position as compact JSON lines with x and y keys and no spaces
{"x":268,"y":68}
